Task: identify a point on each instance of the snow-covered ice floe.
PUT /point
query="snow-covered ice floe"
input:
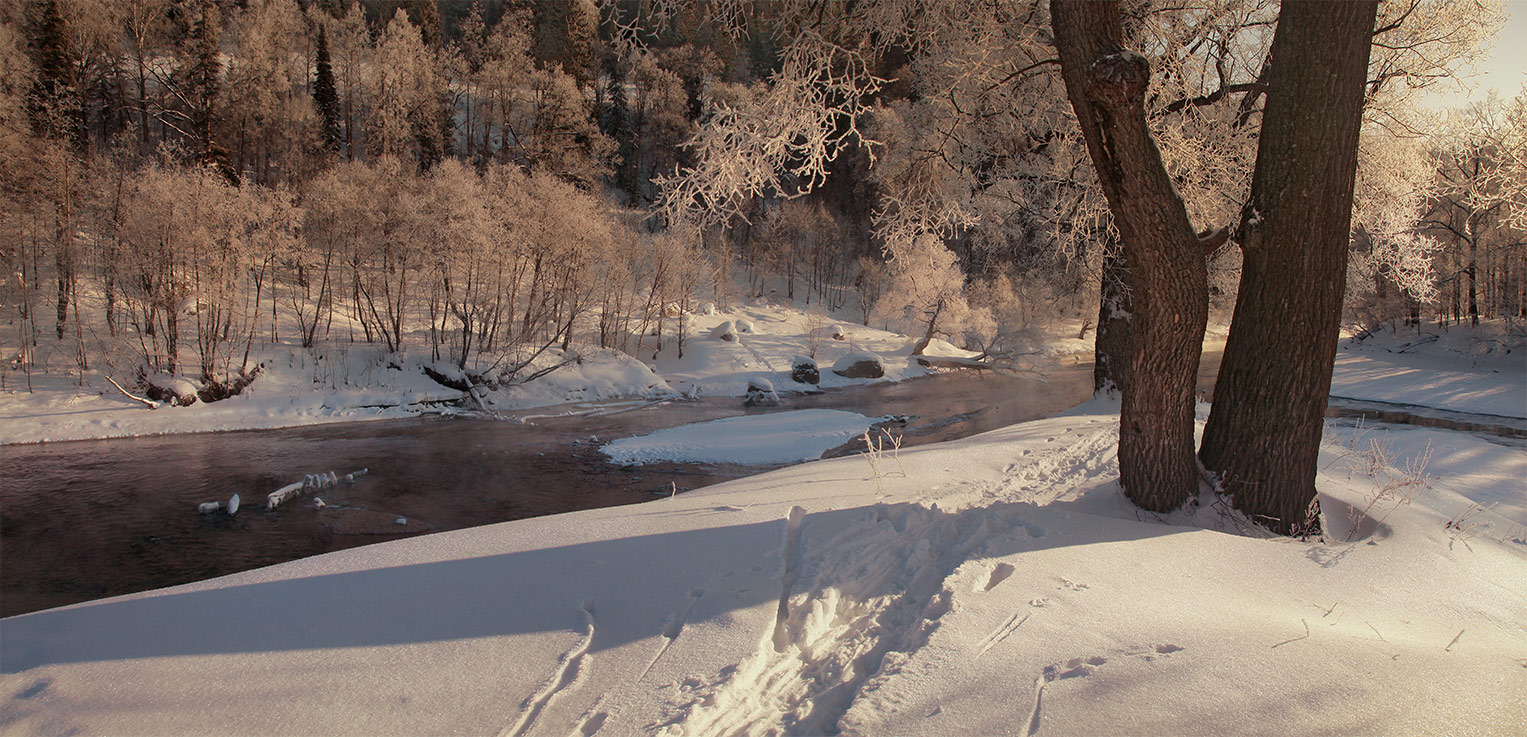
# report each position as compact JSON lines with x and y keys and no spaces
{"x":750,"y":440}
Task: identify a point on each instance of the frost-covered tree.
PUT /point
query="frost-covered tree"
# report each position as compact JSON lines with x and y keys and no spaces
{"x":1480,"y":205}
{"x":404,"y":84}
{"x":926,"y":294}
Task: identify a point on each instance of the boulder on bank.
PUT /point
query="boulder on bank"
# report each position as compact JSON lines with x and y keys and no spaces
{"x":803,"y":370}
{"x":760,"y":393}
{"x":859,"y":365}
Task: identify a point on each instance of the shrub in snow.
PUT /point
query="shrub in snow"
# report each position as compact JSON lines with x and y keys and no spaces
{"x":760,"y":393}
{"x":803,"y":370}
{"x":859,"y":365}
{"x":726,"y":331}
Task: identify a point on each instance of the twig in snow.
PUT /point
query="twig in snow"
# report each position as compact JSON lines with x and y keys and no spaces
{"x":1375,"y":631}
{"x":1296,"y":639}
{"x":1450,"y":645}
{"x":151,"y":404}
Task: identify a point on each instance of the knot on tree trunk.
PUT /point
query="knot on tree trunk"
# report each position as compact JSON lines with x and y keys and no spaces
{"x":1119,"y":79}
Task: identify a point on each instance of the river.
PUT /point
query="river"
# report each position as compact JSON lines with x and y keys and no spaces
{"x":90,"y":519}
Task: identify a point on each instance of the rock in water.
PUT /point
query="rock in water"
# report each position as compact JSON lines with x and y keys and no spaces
{"x":803,"y":370}
{"x":760,"y":393}
{"x":859,"y":365}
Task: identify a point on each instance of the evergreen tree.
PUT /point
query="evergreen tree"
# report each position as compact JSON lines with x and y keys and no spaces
{"x":615,"y":122}
{"x":325,"y":96}
{"x":53,"y":86}
{"x":203,"y":83}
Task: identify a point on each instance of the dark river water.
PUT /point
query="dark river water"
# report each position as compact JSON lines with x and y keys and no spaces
{"x":90,"y":519}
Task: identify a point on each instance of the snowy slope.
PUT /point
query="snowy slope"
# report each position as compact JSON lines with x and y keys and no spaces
{"x":1479,"y":371}
{"x":994,"y":585}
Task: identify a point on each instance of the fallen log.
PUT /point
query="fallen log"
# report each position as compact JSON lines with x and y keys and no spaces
{"x":151,"y":404}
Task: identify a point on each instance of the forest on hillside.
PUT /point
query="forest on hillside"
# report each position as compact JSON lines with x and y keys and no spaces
{"x":185,"y":180}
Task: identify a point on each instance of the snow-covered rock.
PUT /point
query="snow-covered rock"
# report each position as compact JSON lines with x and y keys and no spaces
{"x":803,"y":370}
{"x":859,"y":365}
{"x":726,"y":331}
{"x":760,"y":393}
{"x":744,"y":326}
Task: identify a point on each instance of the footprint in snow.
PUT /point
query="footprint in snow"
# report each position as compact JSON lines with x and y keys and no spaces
{"x":999,"y":573}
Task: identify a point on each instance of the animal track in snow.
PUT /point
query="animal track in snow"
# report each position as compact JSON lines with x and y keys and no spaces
{"x":1070,"y":585}
{"x":568,"y":670}
{"x":1073,"y":668}
{"x":673,"y":629}
{"x":1083,"y":667}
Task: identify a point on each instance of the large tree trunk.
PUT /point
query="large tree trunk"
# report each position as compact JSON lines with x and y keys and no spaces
{"x":1269,"y":401}
{"x":1167,"y":280}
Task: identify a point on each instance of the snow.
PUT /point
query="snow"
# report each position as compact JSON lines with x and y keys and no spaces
{"x":998,"y":584}
{"x":750,"y":440}
{"x":1476,"y":371}
{"x":351,"y":382}
{"x":777,"y":335}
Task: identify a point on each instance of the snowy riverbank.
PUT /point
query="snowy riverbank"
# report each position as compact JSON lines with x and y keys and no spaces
{"x":994,"y":585}
{"x":349,"y":383}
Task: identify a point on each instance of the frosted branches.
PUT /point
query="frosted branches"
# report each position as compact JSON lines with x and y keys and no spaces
{"x":781,"y":141}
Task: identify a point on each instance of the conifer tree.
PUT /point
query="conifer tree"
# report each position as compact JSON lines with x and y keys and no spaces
{"x":325,"y":96}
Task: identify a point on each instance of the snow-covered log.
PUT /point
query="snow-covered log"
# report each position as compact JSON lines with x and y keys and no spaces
{"x":151,"y":404}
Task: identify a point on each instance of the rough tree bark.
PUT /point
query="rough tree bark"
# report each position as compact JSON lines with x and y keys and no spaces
{"x":1264,"y":431}
{"x":1110,"y":349}
{"x":1166,"y":278}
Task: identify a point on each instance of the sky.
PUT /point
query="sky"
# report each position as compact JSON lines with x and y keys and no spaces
{"x":1504,"y":68}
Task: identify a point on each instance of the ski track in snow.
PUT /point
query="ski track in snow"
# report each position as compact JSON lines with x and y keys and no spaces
{"x":568,"y":671}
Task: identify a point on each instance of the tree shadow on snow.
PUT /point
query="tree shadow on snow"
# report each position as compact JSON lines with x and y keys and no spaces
{"x":636,"y":585}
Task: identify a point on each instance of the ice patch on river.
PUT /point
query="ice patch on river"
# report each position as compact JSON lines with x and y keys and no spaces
{"x":751,"y":440}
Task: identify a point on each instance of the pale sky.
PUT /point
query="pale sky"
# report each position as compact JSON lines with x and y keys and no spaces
{"x":1504,"y":68}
